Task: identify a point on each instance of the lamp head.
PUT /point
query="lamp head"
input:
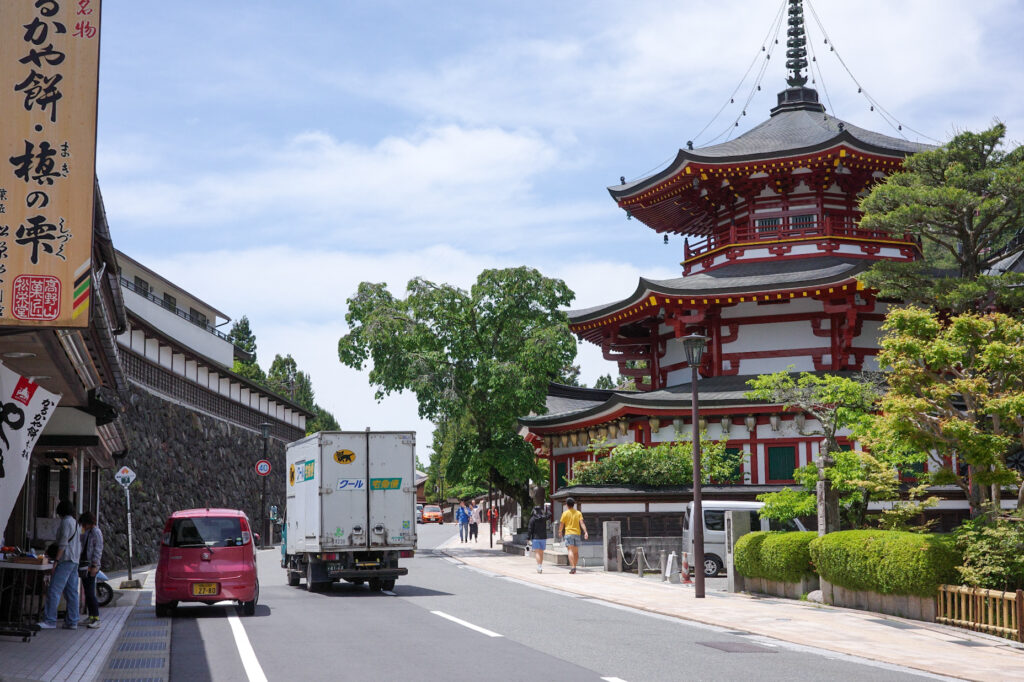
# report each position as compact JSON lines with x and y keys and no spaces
{"x":265,"y":429}
{"x":694,"y":346}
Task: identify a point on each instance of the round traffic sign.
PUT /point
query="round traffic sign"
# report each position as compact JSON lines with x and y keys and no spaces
{"x":263,"y":467}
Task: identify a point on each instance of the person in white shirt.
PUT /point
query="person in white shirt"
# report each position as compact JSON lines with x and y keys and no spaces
{"x":65,"y":571}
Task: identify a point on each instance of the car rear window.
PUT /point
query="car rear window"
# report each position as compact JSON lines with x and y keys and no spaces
{"x":207,"y":531}
{"x":432,"y":509}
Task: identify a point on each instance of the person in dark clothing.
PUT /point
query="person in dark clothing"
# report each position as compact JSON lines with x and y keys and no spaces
{"x":538,"y":534}
{"x":89,"y":565}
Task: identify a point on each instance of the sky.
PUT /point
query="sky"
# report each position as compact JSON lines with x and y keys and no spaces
{"x":268,"y":156}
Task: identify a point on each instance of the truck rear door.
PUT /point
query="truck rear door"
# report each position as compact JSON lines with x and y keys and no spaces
{"x":344,"y":495}
{"x":392,"y":489}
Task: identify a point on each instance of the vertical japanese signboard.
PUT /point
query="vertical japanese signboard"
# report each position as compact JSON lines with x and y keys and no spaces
{"x":49,"y":67}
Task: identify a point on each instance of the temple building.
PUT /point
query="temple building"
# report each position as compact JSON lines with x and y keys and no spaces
{"x":770,"y":271}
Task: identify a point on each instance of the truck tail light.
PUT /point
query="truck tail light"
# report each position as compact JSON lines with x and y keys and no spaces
{"x":329,"y":557}
{"x":406,"y":554}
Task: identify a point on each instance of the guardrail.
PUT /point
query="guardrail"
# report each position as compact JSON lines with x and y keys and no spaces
{"x":975,"y":608}
{"x":153,"y":298}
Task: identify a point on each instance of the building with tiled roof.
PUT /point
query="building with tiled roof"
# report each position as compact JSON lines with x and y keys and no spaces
{"x":770,"y":271}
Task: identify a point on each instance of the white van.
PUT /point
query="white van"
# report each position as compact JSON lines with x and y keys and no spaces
{"x":714,"y":529}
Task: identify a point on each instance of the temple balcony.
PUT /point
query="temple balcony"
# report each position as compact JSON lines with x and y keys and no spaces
{"x":783,"y":228}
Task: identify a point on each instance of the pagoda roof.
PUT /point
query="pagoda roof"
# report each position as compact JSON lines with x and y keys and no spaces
{"x":739,"y":278}
{"x":788,"y":133}
{"x":721,"y":391}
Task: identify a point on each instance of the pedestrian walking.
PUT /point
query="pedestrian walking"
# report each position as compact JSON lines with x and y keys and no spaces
{"x":474,"y":521}
{"x":462,"y":518}
{"x":569,"y":527}
{"x":537,"y":534}
{"x":89,"y":566}
{"x":65,"y":571}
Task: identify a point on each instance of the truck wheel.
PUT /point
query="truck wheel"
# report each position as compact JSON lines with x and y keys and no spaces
{"x":310,"y":585}
{"x":375,"y":585}
{"x":389,"y":585}
{"x":293,"y":578}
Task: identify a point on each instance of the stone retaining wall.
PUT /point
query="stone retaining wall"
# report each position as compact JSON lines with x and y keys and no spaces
{"x":183,"y":460}
{"x":904,"y":606}
{"x":781,"y":589}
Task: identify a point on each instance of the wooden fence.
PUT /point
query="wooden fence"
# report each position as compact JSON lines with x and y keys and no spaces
{"x":975,"y":608}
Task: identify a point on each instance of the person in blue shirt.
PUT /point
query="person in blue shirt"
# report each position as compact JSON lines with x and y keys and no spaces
{"x":462,"y":518}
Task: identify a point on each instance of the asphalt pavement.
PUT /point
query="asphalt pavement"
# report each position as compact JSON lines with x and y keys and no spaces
{"x":446,"y":619}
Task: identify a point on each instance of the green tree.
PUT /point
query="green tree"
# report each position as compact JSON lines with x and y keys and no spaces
{"x":664,"y":464}
{"x":956,"y":388}
{"x":282,"y":377}
{"x":965,"y":202}
{"x":605,"y":382}
{"x":836,"y":403}
{"x":242,"y":337}
{"x":479,"y":358}
{"x":570,"y":376}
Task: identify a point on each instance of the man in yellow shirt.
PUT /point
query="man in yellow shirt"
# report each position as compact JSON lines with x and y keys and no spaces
{"x":569,"y":527}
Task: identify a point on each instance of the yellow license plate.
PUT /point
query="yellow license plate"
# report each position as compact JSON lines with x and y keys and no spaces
{"x":203,"y":589}
{"x":367,"y":564}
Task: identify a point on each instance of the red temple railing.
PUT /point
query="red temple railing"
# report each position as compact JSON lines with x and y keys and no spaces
{"x":788,"y":227}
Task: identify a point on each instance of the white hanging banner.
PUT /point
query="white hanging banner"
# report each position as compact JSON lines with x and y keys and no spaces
{"x":25,"y":408}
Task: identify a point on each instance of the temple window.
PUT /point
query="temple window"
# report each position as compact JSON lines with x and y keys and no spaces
{"x":781,"y":462}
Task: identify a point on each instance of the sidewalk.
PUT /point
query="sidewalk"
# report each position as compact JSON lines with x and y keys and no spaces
{"x":913,"y":644}
{"x":83,"y":654}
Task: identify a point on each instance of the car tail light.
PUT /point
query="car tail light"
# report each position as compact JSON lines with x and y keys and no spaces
{"x":167,"y":538}
{"x":246,"y":536}
{"x":406,"y":553}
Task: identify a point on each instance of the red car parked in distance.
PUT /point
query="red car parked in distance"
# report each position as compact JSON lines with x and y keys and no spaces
{"x":207,"y":556}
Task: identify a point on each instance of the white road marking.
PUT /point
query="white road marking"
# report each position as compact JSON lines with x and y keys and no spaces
{"x":483,"y":631}
{"x":249,"y":661}
{"x":613,"y":679}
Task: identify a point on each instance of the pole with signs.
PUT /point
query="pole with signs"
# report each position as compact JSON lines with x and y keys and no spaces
{"x":125,"y":476}
{"x":263,"y":468}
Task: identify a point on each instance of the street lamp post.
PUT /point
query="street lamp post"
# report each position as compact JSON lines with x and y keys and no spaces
{"x":265,"y":432}
{"x":694,"y":346}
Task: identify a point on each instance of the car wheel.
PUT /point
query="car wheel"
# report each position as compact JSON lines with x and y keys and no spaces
{"x":166,"y":610}
{"x":249,"y":607}
{"x":104,"y":594}
{"x":389,"y":585}
{"x":712,"y":566}
{"x":375,"y":585}
{"x":294,"y":578}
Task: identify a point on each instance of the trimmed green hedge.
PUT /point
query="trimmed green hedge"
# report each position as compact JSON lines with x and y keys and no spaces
{"x":775,"y":555}
{"x":888,"y":562}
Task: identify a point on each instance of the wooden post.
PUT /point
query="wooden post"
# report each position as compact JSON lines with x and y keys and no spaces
{"x":1020,"y":615}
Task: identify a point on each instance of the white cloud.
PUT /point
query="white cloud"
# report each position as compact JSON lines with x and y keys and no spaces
{"x":296,"y":304}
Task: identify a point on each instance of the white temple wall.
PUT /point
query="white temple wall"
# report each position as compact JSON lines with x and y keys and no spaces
{"x":775,"y":336}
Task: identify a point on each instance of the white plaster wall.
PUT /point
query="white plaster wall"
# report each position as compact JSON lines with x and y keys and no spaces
{"x":751,"y":309}
{"x":182,"y":331}
{"x":775,"y":336}
{"x":165,"y":357}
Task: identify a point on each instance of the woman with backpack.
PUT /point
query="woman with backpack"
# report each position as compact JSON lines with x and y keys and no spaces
{"x":538,"y":534}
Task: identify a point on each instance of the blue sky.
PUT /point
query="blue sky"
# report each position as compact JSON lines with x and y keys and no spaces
{"x":269,"y":156}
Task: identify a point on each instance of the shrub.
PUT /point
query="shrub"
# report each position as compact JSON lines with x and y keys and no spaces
{"x":887,"y":562}
{"x":775,"y":555}
{"x":993,"y":553}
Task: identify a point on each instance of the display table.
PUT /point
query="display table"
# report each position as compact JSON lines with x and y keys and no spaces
{"x":22,"y":591}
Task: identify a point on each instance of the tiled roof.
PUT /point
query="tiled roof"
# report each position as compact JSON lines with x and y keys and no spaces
{"x":738,"y":278}
{"x":787,"y":133}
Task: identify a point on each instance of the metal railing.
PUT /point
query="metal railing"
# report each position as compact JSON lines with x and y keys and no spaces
{"x":150,"y":296}
{"x":975,"y":608}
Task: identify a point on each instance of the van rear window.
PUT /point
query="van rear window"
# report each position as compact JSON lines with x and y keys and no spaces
{"x":207,"y":531}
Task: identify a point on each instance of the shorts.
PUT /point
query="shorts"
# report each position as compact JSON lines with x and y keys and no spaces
{"x":539,"y":544}
{"x":572,"y":540}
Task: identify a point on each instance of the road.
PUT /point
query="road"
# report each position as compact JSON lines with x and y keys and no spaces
{"x":446,"y":621}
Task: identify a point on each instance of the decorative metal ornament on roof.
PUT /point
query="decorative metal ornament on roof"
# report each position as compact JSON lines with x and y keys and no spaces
{"x":796,"y":44}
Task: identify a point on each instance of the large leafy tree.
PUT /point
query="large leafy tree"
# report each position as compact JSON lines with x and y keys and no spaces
{"x":965,"y":202}
{"x":836,"y":403}
{"x":475,"y":359}
{"x":956,"y":389}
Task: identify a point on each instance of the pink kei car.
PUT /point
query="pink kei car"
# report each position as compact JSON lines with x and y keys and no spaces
{"x":206,"y":555}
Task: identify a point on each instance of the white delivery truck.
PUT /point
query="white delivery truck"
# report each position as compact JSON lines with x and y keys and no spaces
{"x":351,"y":511}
